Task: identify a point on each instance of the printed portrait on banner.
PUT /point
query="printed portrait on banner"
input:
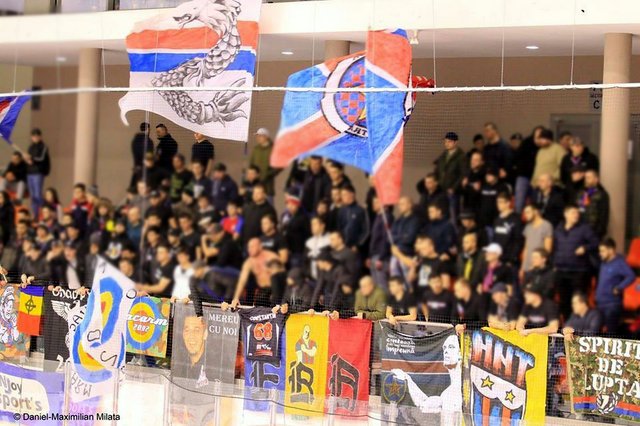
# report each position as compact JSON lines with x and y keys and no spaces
{"x":423,"y":375}
{"x":204,"y":348}
{"x":307,"y":340}
{"x":13,"y":343}
{"x":505,"y":377}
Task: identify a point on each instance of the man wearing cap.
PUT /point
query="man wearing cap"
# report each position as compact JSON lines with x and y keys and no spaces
{"x":294,"y":226}
{"x":579,"y":155}
{"x":167,"y":148}
{"x":260,"y":157}
{"x":450,"y":168}
{"x":203,"y":152}
{"x":224,"y":189}
{"x":503,"y":309}
{"x":353,"y":222}
{"x":550,"y":199}
{"x":539,"y":315}
{"x":493,"y":271}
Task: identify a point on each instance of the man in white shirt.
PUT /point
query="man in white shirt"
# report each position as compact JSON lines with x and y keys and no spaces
{"x":319,"y":241}
{"x":181,"y":276}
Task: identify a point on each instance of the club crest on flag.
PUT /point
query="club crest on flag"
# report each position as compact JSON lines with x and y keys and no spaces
{"x":146,"y":324}
{"x":362,"y":129}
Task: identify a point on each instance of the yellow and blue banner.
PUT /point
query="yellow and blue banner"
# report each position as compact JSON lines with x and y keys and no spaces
{"x":505,"y":377}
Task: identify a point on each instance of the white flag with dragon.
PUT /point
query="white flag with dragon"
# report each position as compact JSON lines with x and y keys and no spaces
{"x":201,"y":43}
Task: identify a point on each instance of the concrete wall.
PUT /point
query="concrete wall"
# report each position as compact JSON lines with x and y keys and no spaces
{"x":433,"y":117}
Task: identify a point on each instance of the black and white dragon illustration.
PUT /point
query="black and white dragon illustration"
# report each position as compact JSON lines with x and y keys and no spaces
{"x":222,"y":17}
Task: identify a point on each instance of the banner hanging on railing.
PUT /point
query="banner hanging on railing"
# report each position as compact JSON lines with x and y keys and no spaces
{"x":605,"y":377}
{"x":348,"y":369}
{"x":57,"y":338}
{"x":422,"y":375}
{"x":307,"y":348}
{"x":26,"y":393}
{"x":30,"y":310}
{"x":13,"y":343}
{"x":204,"y":348}
{"x":505,"y":377}
{"x":148,"y":326}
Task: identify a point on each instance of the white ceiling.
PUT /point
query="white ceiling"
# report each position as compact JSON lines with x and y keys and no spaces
{"x":462,"y":29}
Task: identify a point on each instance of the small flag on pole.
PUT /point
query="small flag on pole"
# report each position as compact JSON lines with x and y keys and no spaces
{"x":10,"y":107}
{"x":30,"y":310}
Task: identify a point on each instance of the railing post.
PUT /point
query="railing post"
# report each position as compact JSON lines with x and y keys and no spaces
{"x":273,"y":407}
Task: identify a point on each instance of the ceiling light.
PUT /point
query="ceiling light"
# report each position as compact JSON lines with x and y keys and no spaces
{"x":414,"y":38}
{"x":287,"y":52}
{"x":532,"y":47}
{"x":61,"y":59}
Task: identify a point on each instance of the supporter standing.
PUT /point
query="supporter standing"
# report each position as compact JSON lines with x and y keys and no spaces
{"x":260,"y":158}
{"x":203,"y":152}
{"x":549,"y":156}
{"x":524,"y":159}
{"x":579,"y":155}
{"x":584,"y":320}
{"x":539,"y":314}
{"x":254,"y":212}
{"x":538,"y":233}
{"x":38,"y":167}
{"x":451,"y":167}
{"x":14,"y":177}
{"x":140,"y":145}
{"x":550,"y":199}
{"x":166,"y":150}
{"x":496,"y":153}
{"x":593,"y":202}
{"x":614,"y":276}
{"x":223,"y":188}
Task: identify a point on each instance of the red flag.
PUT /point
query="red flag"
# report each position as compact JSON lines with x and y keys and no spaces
{"x":348,"y":365}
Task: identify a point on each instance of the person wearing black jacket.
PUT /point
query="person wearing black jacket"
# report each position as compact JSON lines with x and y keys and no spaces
{"x":379,"y":246}
{"x":7,"y":218}
{"x":297,"y":294}
{"x":470,"y":309}
{"x":167,"y":148}
{"x":593,"y":202}
{"x":524,"y":160}
{"x":14,"y":177}
{"x":254,"y":212}
{"x":469,"y":262}
{"x":507,"y":230}
{"x":489,"y":191}
{"x":579,"y":156}
{"x":574,"y":244}
{"x":550,"y":200}
{"x":584,"y":320}
{"x":451,"y":167}
{"x":316,"y":185}
{"x":496,"y":153}
{"x":295,"y":229}
{"x":353,"y":221}
{"x":541,"y":274}
{"x":140,"y":145}
{"x":38,"y":167}
{"x":472,"y":182}
{"x":431,"y":193}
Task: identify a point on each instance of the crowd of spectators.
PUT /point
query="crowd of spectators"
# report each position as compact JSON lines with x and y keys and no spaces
{"x":512,"y":234}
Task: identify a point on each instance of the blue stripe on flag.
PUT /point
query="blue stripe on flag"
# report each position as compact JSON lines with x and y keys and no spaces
{"x":161,"y":62}
{"x":9,"y":121}
{"x":298,"y":106}
{"x":352,"y":150}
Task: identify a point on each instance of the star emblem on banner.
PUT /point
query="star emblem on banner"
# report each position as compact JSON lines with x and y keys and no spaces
{"x":487,"y":383}
{"x":510,"y":396}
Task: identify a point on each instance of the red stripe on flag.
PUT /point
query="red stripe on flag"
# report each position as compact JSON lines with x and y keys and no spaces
{"x":29,"y":324}
{"x":583,"y":399}
{"x":388,"y":177}
{"x":506,"y":416}
{"x":390,"y":52}
{"x":189,"y":38}
{"x":297,"y":142}
{"x":486,"y":411}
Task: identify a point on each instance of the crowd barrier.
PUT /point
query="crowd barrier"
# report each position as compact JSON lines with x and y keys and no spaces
{"x":256,"y":367}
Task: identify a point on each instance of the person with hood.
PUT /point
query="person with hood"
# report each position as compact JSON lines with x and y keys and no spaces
{"x":593,"y":202}
{"x":223,"y":188}
{"x":574,"y":243}
{"x":614,"y":276}
{"x":260,"y":158}
{"x":579,"y":155}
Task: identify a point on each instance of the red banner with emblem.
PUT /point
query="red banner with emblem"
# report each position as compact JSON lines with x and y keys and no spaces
{"x":348,"y":366}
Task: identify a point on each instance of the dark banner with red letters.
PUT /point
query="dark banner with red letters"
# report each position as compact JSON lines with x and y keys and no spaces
{"x":348,"y":365}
